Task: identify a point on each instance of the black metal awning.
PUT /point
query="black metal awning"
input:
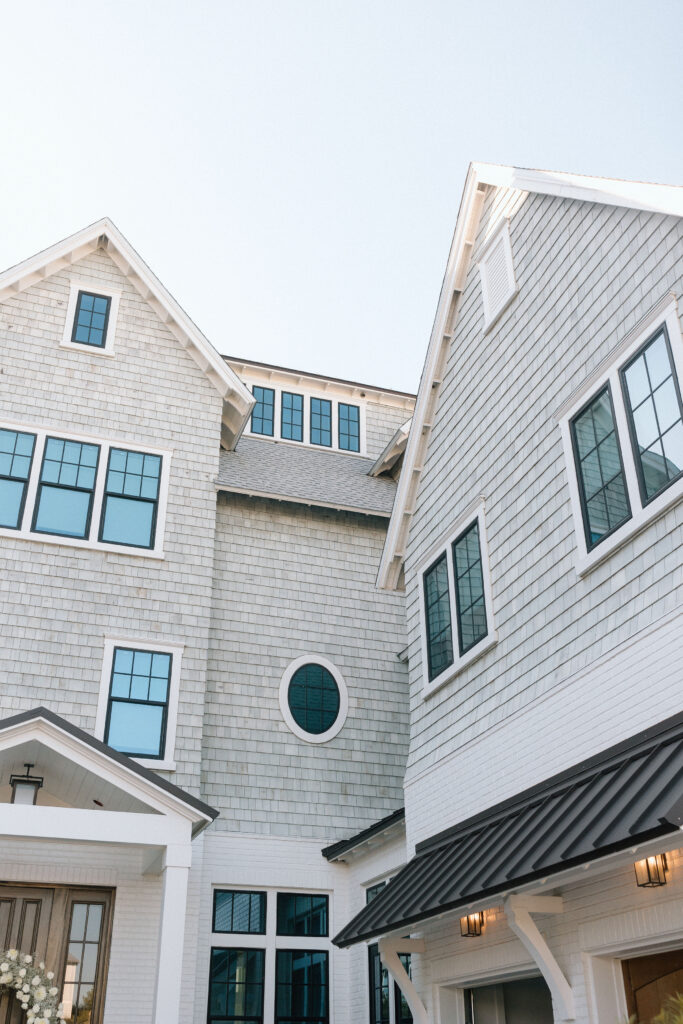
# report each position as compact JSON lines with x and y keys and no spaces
{"x":625,"y":796}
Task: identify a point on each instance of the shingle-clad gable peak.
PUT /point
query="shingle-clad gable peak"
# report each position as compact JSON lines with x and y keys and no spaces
{"x":481,"y":177}
{"x":104,"y":235}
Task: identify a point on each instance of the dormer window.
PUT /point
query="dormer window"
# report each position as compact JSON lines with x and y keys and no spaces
{"x":321,"y":422}
{"x":91,"y":320}
{"x":349,"y":427}
{"x":263,"y":414}
{"x":305,"y":416}
{"x":292,"y":425}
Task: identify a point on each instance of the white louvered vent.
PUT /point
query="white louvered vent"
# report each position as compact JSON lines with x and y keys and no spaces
{"x":498,"y":284}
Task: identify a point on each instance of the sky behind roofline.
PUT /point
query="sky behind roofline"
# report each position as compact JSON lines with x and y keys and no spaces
{"x":292,"y":169}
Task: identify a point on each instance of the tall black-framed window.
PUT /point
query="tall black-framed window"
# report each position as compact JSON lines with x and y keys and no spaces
{"x":379,"y":987}
{"x":302,"y":914}
{"x":91,"y":319}
{"x":131,"y":499}
{"x":263,"y":413}
{"x":137,"y":710}
{"x":239,"y":911}
{"x":236,"y":986}
{"x":402,"y":1012}
{"x":599,"y":469}
{"x":65,"y":491}
{"x":469,"y":588}
{"x":313,"y":698}
{"x":655,"y":415}
{"x":349,"y":427}
{"x":438,"y":617}
{"x":292,"y":416}
{"x":302,"y":991}
{"x":373,"y":891}
{"x":16,"y":457}
{"x":321,"y":422}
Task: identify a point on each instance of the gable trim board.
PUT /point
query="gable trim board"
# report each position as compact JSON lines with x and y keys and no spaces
{"x":661,"y":199}
{"x":103,"y":234}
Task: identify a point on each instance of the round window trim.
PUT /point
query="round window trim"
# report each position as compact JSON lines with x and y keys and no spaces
{"x":310,"y":737}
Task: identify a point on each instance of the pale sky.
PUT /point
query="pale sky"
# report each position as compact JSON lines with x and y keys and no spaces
{"x":291,"y":169}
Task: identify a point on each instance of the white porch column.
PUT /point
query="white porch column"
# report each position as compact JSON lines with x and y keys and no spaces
{"x":175,"y":872}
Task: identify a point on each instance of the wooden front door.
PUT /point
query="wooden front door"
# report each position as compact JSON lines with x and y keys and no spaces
{"x":69,"y":930}
{"x":650,"y":980}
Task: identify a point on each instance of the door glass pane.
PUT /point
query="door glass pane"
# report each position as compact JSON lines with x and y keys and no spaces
{"x":82,"y":961}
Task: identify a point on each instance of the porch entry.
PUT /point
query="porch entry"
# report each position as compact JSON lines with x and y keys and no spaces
{"x":69,"y":929}
{"x":512,"y":1002}
{"x":650,"y":980}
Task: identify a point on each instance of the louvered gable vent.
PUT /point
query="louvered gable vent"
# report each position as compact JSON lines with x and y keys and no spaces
{"x":497,"y":274}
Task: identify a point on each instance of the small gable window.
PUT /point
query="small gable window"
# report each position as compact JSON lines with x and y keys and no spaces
{"x":91,"y":320}
{"x":263,"y":414}
{"x":498,"y":285}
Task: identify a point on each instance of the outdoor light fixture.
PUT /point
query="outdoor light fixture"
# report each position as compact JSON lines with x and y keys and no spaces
{"x":25,"y":787}
{"x":472,"y":925}
{"x":651,"y":871}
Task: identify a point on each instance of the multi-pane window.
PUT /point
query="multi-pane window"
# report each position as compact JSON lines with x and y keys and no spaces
{"x":292,"y":417}
{"x":137,"y":711}
{"x":16,"y":457}
{"x":469,"y":588}
{"x":66,"y":487}
{"x":438,"y":617}
{"x":263,"y":413}
{"x":604,"y":499}
{"x":349,"y":427}
{"x":236,"y":986}
{"x":653,"y":402}
{"x":240,"y":911}
{"x":321,"y":422}
{"x":381,"y":1009}
{"x":301,"y":986}
{"x":91,"y":319}
{"x":82,"y":960}
{"x":313,"y":698}
{"x":131,"y":496}
{"x":301,"y":914}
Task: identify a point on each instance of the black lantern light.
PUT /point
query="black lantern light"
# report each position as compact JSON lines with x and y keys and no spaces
{"x":25,"y":787}
{"x":472,"y":924}
{"x":651,"y":872}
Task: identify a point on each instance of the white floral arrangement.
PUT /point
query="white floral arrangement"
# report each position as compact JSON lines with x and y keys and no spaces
{"x":34,"y":986}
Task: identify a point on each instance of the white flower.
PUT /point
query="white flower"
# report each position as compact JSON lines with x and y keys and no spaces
{"x":40,"y":993}
{"x":35,"y":1008}
{"x":28,"y":959}
{"x":50,"y":975}
{"x":41,"y":965}
{"x":5,"y":978}
{"x":54,"y":991}
{"x":4,"y":967}
{"x":13,"y":954}
{"x":22,"y":972}
{"x":25,"y":988}
{"x":35,"y":980}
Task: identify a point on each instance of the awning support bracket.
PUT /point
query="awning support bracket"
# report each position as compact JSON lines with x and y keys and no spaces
{"x":518,"y":912}
{"x":389,"y":950}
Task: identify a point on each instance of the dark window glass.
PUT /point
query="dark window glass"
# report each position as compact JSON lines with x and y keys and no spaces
{"x":263,"y":413}
{"x":469,"y":589}
{"x":313,"y":698}
{"x":301,"y":914}
{"x":91,"y":319}
{"x":292,"y":427}
{"x":65,"y":491}
{"x":16,"y":456}
{"x":604,"y":501}
{"x":237,"y":911}
{"x":379,"y":987}
{"x":131,"y":497}
{"x":80,"y":973}
{"x":321,"y":422}
{"x":301,"y":987}
{"x":438,"y":617}
{"x":373,"y":890}
{"x":653,"y":401}
{"x":403,"y":1014}
{"x":349,"y":427}
{"x":236,"y":986}
{"x":138,"y":702}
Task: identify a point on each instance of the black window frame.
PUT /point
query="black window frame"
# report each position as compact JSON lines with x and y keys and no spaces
{"x":66,"y":487}
{"x":635,"y":448}
{"x":319,"y":444}
{"x":161,"y":756}
{"x":286,"y":1019}
{"x":291,"y":394}
{"x":241,"y":931}
{"x":293,"y":712}
{"x":431,"y":675}
{"x":259,"y":401}
{"x":106,"y":494}
{"x":591,"y":544}
{"x":105,"y":329}
{"x":259,"y":1018}
{"x":340,"y":406}
{"x":462,"y":650}
{"x":16,"y":479}
{"x":299,"y":895}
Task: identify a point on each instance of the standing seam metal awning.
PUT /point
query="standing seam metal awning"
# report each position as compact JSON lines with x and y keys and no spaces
{"x":629,"y":794}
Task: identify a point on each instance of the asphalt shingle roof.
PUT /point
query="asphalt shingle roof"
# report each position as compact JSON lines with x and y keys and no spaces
{"x":315,"y":477}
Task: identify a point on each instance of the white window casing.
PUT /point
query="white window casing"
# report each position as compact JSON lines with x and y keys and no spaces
{"x":308,"y":737}
{"x":497,"y":273}
{"x":307,"y":393}
{"x":96,"y":287}
{"x":665,"y":313}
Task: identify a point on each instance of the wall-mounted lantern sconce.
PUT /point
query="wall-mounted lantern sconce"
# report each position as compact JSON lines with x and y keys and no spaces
{"x":25,"y":787}
{"x":651,"y":871}
{"x":472,"y":924}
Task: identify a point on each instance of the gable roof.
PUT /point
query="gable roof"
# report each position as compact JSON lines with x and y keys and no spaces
{"x":662,"y":199}
{"x":103,"y":234}
{"x":628,"y":795}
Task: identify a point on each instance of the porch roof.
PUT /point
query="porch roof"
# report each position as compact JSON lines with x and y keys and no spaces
{"x":625,"y":796}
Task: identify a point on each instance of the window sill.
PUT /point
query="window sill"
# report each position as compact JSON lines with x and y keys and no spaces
{"x":77,"y":542}
{"x":449,"y":674}
{"x":156,"y":766}
{"x":88,"y":349}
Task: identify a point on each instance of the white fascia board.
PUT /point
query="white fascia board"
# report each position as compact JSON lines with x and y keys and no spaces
{"x":392,"y":451}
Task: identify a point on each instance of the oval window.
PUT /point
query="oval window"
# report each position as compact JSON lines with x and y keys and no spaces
{"x":313,"y":698}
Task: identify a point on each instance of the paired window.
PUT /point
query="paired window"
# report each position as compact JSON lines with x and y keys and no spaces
{"x":456,"y":612}
{"x":292,"y":984}
{"x":626,"y":442}
{"x":387,"y":1003}
{"x":313,"y":699}
{"x":67,"y":488}
{"x":321,"y":422}
{"x":137,"y":710}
